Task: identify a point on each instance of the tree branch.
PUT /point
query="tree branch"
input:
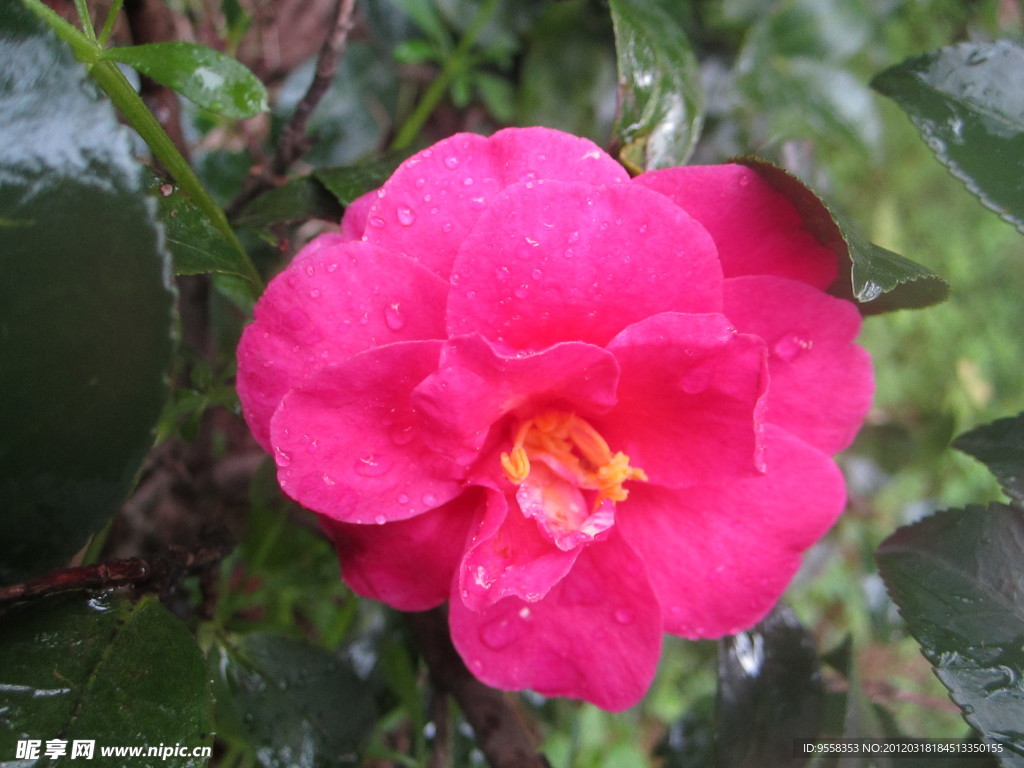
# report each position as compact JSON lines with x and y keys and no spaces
{"x":293,"y":142}
{"x":134,"y":571}
{"x":500,"y":733}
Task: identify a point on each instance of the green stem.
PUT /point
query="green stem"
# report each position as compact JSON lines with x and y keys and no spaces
{"x":116,"y":85}
{"x":108,"y":24}
{"x":85,"y":19}
{"x":131,"y":105}
{"x":456,"y":63}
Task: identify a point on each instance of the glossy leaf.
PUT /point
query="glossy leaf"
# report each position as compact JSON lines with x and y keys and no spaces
{"x":295,"y":200}
{"x":661,"y":104}
{"x":1000,"y":447}
{"x":103,"y":669}
{"x":348,"y":182}
{"x":195,"y":245}
{"x":967,"y":101}
{"x":86,"y":307}
{"x":878,"y":279}
{"x":293,"y":702}
{"x":957,"y":579}
{"x":207,"y":77}
{"x":769,"y":692}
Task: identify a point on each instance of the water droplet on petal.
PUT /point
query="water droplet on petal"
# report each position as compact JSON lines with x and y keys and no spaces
{"x":406,"y":216}
{"x":447,"y":226}
{"x":624,"y":616}
{"x":314,"y":293}
{"x":429,"y":500}
{"x":403,"y":498}
{"x":393,"y":317}
{"x":502,"y":632}
{"x":468,"y":181}
{"x":791,"y":346}
{"x":332,"y":267}
{"x":744,"y":180}
{"x":376,"y":221}
{"x":372,"y":465}
{"x":402,"y":434}
{"x":380,"y":519}
{"x":283,"y":459}
{"x":536,"y":274}
{"x":328,"y":480}
{"x":531,"y":242}
{"x":521,"y":291}
{"x":695,"y":380}
{"x":451,"y":162}
{"x":312,"y":447}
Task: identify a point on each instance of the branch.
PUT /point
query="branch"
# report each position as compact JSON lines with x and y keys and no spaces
{"x":293,"y":142}
{"x":134,"y":571}
{"x":500,"y":733}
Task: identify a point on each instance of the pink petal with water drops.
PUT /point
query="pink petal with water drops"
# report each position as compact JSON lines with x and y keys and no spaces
{"x":430,"y":546}
{"x":757,"y":230}
{"x":350,"y":445}
{"x":509,"y":556}
{"x":434,"y":198}
{"x":561,"y":261}
{"x":476,"y":384}
{"x":821,"y":383}
{"x":353,"y":221}
{"x":720,"y":555}
{"x":595,"y":636}
{"x":335,"y":299}
{"x":689,"y":399}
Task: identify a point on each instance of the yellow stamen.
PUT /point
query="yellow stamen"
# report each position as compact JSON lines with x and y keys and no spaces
{"x":578,"y":448}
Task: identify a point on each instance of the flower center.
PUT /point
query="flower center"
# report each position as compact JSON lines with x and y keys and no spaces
{"x":573,"y":449}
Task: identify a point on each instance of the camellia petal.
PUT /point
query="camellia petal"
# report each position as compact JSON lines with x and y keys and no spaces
{"x":353,"y":222}
{"x":757,"y":230}
{"x":559,"y":261}
{"x":821,"y":382}
{"x":508,"y":556}
{"x":350,"y":445}
{"x":431,"y":546}
{"x":477,"y":384}
{"x":693,"y":388}
{"x":720,"y":555}
{"x":434,"y":198}
{"x":334,"y":300}
{"x":596,"y":635}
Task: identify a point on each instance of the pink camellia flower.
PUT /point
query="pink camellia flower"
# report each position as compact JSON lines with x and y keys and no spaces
{"x":583,"y":409}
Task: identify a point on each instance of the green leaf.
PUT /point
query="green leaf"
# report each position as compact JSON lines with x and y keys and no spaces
{"x":1000,"y":447}
{"x":661,"y":104}
{"x":207,"y":77}
{"x":878,"y":279}
{"x":967,"y":101}
{"x":103,"y":669}
{"x":296,"y":200}
{"x":349,"y":182}
{"x":195,"y":245}
{"x":769,"y":692}
{"x":957,"y":579}
{"x":292,"y":702}
{"x":86,"y":306}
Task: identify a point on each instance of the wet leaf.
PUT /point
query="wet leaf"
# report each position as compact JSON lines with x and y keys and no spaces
{"x":1000,"y":447}
{"x":957,"y":579}
{"x":878,"y":279}
{"x":661,"y":104}
{"x":296,"y":200}
{"x":295,"y":703}
{"x":967,"y":101}
{"x":86,"y":307}
{"x":769,"y":692}
{"x":103,"y":669}
{"x":207,"y":77}
{"x":196,"y":246}
{"x":348,"y":182}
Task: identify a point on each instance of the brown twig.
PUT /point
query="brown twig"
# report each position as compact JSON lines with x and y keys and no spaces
{"x":294,"y":142}
{"x":134,"y":571}
{"x":500,"y":734}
